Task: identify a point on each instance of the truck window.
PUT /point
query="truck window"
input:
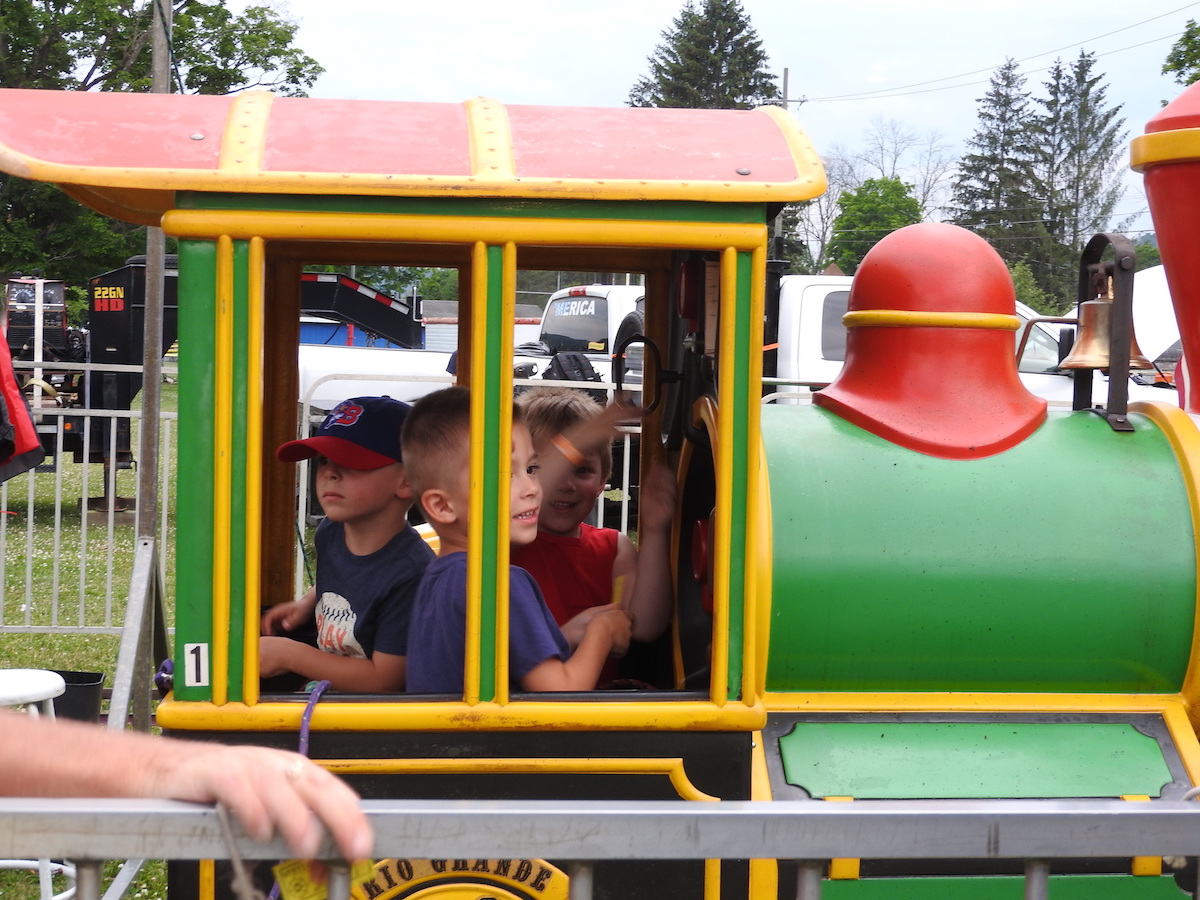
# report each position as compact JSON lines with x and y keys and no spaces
{"x":833,"y":332}
{"x":576,"y":323}
{"x":1041,"y":351}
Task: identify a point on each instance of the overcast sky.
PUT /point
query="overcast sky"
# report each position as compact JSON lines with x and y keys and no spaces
{"x":927,"y":60}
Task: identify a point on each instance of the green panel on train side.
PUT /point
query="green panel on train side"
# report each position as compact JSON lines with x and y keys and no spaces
{"x":1063,"y":564}
{"x":1061,"y":887}
{"x":194,"y":490}
{"x":669,"y":210}
{"x":972,"y":760}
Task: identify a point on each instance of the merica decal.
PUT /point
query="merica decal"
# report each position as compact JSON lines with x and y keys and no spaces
{"x":574,"y":307}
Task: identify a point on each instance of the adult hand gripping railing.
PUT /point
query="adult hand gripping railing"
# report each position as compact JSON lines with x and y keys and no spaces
{"x":811,"y":833}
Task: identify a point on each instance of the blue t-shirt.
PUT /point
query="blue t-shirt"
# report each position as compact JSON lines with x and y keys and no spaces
{"x":437,"y":648}
{"x":364,"y":602}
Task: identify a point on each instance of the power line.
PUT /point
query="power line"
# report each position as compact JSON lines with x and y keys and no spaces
{"x":950,"y":87}
{"x":893,"y":92}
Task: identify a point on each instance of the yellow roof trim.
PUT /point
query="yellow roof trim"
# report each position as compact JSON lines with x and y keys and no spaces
{"x":490,"y":135}
{"x":244,"y":141}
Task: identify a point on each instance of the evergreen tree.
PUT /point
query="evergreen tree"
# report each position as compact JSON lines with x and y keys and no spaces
{"x":867,"y":214}
{"x":711,"y":58}
{"x":991,"y":193}
{"x":1079,"y":146}
{"x":1092,"y":175}
{"x":1043,"y":177}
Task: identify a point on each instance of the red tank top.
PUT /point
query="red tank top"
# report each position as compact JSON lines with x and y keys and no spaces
{"x":574,"y":574}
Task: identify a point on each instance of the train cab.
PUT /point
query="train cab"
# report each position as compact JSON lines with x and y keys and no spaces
{"x":872,"y":599}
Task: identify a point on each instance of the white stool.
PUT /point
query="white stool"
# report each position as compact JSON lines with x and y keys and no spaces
{"x":35,"y":689}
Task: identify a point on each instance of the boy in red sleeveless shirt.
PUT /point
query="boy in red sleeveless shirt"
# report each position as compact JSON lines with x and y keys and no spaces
{"x":583,"y":570}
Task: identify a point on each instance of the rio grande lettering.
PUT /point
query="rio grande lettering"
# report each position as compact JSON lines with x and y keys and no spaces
{"x":391,"y":874}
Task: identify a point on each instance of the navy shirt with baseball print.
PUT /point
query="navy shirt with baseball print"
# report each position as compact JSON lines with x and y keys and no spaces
{"x":364,"y":602}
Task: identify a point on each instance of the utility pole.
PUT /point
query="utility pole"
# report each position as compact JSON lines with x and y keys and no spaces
{"x":799,"y":101}
{"x":152,"y":352}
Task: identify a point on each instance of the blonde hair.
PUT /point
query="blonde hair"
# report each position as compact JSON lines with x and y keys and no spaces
{"x":436,"y":438}
{"x":552,"y":410}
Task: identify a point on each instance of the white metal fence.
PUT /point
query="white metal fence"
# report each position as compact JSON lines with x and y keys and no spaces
{"x":67,"y":529}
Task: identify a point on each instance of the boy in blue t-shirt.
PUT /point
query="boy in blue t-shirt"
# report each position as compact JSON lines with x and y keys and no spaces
{"x":436,"y":440}
{"x":369,"y":559}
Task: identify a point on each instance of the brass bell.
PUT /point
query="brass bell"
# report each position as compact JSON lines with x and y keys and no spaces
{"x":1091,"y":350}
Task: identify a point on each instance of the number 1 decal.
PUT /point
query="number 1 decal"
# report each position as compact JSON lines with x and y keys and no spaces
{"x":195,"y":666}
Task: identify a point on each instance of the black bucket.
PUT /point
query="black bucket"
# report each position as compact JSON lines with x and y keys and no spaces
{"x":81,"y":699}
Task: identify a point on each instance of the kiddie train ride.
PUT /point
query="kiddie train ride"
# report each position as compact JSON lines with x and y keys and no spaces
{"x":924,"y":585}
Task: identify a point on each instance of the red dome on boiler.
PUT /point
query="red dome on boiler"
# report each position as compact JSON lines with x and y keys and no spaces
{"x":930,"y":356}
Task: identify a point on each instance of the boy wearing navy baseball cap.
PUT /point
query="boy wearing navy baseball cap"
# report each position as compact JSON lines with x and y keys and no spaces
{"x":369,"y":558}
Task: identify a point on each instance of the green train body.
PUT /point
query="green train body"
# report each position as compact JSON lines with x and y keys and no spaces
{"x":923,"y":585}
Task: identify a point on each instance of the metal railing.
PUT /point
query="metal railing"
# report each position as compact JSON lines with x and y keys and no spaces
{"x":67,"y":530}
{"x":807,"y":832}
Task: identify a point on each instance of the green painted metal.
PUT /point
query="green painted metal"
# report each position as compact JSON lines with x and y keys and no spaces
{"x":497,"y":396}
{"x":1064,"y":564}
{"x":194,"y":489}
{"x":675,"y":211}
{"x":744,"y":326}
{"x":1061,"y":887}
{"x":972,"y":760}
{"x":237,"y":507}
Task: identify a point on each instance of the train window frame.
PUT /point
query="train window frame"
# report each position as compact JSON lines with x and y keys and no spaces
{"x":265,"y":243}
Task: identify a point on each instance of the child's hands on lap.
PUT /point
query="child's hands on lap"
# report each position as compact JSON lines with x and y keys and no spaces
{"x":618,"y":625}
{"x":574,"y":629}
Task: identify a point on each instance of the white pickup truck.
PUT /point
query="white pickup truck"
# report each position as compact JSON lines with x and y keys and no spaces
{"x":590,"y":319}
{"x":812,"y":339}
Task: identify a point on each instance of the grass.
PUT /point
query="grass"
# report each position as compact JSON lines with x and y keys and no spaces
{"x":53,"y":571}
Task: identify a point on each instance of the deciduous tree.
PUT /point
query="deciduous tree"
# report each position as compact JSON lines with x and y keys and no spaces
{"x":878,"y":207}
{"x":105,"y":45}
{"x":1183,"y":60}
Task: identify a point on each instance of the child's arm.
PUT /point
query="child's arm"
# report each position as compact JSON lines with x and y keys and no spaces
{"x":607,"y":634}
{"x":646,"y":569}
{"x":575,"y":627}
{"x":382,"y":673}
{"x":291,"y":615}
{"x":584,"y":437}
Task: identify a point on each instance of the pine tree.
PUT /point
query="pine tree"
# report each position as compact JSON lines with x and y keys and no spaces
{"x":1079,"y":146}
{"x":1091,"y":185}
{"x":710,"y":58}
{"x":991,"y":190}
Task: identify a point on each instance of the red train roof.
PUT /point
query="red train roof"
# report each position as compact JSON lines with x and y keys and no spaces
{"x":127,"y":154}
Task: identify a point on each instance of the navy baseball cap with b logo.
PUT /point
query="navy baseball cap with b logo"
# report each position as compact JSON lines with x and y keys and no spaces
{"x":360,"y":433}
